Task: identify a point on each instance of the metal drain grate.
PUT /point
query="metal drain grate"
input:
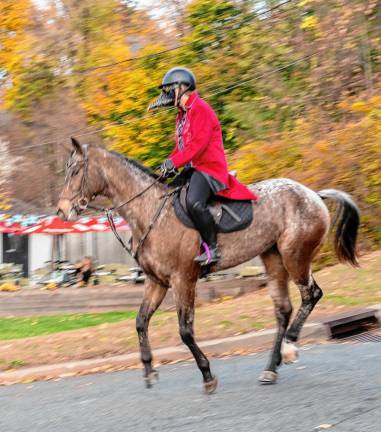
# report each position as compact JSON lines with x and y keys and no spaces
{"x":355,"y":326}
{"x":373,"y":335}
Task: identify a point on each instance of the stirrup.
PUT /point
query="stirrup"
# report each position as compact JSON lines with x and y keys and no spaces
{"x":210,"y":256}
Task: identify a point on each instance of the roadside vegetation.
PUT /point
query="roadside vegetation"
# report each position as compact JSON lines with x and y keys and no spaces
{"x":81,"y":336}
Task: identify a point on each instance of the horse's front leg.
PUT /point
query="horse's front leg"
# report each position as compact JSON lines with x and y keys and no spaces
{"x":184,"y":293}
{"x":153,"y":296}
{"x":278,"y":289}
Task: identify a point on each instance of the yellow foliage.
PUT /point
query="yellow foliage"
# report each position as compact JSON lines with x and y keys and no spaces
{"x":360,"y":107}
{"x":347,"y":158}
{"x":322,"y":146}
{"x":15,"y":43}
{"x":309,"y":23}
{"x":4,"y":202}
{"x":8,"y":287}
{"x":305,"y":2}
{"x":121,"y":95}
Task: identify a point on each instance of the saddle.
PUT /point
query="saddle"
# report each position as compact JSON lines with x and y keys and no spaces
{"x":229,"y":215}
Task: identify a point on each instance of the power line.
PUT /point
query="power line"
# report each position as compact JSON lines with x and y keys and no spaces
{"x":132,"y":120}
{"x":208,"y":95}
{"x":129,"y":121}
{"x":56,"y":141}
{"x":116,"y":92}
{"x":130,"y":59}
{"x":179,"y":46}
{"x":263,"y":75}
{"x":107,"y":126}
{"x":215,"y":93}
{"x":150,"y":115}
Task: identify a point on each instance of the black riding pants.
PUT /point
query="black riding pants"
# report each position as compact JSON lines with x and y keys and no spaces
{"x":199,"y":193}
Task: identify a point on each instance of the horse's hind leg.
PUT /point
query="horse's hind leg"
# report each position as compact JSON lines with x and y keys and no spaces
{"x":310,"y":293}
{"x":278,"y":289}
{"x":153,"y":296}
{"x":184,"y":293}
{"x":299,"y":268}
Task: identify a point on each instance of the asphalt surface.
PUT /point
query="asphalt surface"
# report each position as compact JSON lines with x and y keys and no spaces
{"x":336,"y":387}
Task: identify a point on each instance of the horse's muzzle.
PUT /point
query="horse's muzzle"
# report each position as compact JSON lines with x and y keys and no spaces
{"x":66,"y":210}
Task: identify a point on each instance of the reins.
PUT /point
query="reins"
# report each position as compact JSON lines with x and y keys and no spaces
{"x":139,"y":194}
{"x":109,"y":213}
{"x":110,"y":218}
{"x":83,"y":204}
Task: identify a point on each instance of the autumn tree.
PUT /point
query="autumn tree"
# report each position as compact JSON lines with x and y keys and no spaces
{"x":296,"y":85}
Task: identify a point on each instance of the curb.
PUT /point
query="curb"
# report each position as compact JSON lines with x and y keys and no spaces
{"x":249,"y":341}
{"x":377,"y":308}
{"x":312,"y":332}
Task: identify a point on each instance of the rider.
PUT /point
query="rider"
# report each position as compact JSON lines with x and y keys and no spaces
{"x":199,"y":146}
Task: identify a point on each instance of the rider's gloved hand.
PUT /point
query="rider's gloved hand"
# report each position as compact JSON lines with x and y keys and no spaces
{"x":167,"y":169}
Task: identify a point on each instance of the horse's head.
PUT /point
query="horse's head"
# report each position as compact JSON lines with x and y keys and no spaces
{"x":82,"y":183}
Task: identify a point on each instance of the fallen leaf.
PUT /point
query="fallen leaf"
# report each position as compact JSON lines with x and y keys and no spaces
{"x":27,"y":380}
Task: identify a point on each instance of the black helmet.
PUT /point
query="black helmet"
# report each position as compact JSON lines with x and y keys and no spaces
{"x":179,"y":75}
{"x":170,"y":87}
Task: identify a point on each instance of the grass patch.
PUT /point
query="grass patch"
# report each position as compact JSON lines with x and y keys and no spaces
{"x":226,"y":324}
{"x":16,"y":328}
{"x":351,"y":301}
{"x":16,"y":364}
{"x":257,"y":325}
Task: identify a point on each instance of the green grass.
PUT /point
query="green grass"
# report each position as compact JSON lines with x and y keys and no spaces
{"x":226,"y":324}
{"x":16,"y":328}
{"x":341,"y":300}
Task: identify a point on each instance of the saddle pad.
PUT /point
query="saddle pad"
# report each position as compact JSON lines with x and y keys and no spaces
{"x":228,"y":222}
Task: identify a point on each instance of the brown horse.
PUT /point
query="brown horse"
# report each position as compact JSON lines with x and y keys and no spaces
{"x":290,"y":224}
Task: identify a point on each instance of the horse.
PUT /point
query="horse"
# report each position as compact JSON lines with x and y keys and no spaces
{"x":289,"y":226}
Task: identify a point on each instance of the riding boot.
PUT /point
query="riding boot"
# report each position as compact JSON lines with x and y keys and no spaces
{"x":204,"y":222}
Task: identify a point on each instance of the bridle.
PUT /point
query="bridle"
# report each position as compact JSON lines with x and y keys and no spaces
{"x":82,"y":203}
{"x":72,"y":168}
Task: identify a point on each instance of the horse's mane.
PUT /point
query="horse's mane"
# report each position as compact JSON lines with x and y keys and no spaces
{"x":136,"y":164}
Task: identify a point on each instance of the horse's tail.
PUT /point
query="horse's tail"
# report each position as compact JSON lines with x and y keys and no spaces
{"x":347,"y":221}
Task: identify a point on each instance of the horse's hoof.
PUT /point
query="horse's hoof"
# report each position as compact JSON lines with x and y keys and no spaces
{"x":268,"y":377}
{"x":290,"y":352}
{"x":151,"y":379}
{"x":210,"y":386}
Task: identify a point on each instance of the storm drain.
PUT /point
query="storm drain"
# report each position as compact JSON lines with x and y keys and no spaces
{"x":356,"y":326}
{"x":371,"y":335}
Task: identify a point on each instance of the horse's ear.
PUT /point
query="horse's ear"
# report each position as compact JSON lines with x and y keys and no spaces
{"x":77,"y":146}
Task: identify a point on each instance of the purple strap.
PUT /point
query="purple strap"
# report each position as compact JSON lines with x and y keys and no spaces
{"x":207,"y":251}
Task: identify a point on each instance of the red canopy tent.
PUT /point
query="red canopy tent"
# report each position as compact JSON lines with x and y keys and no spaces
{"x":54,"y":225}
{"x":50,"y":225}
{"x":102,"y":225}
{"x":9,"y":228}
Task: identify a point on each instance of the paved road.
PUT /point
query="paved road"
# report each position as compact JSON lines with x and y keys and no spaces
{"x":337,"y":385}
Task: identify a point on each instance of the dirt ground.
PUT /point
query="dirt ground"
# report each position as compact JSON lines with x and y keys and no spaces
{"x":345,"y":288}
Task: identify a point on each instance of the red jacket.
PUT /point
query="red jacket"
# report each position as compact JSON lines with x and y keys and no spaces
{"x":203,"y":147}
